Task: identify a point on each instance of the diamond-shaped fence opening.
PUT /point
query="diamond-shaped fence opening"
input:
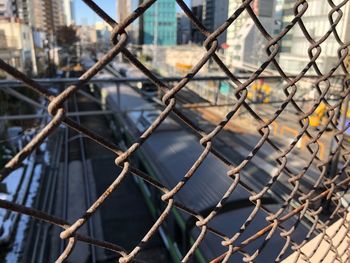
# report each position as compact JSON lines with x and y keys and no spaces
{"x":296,"y":226}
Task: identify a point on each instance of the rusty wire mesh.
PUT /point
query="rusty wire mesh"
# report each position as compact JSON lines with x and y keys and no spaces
{"x":333,"y":191}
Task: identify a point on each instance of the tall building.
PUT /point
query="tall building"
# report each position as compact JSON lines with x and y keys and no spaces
{"x":183,"y":29}
{"x":125,"y":8}
{"x":36,"y":15}
{"x":68,"y":10}
{"x":244,"y":40}
{"x":215,"y":13}
{"x":40,"y":15}
{"x":159,"y":24}
{"x":53,"y":15}
{"x":294,"y":57}
{"x":212,"y":13}
{"x":25,"y":25}
{"x":220,"y":16}
{"x":197,"y":10}
{"x":208,"y":14}
{"x":30,"y":12}
{"x":16,"y":44}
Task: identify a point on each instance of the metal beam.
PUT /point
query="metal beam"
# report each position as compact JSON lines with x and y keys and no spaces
{"x":87,"y":95}
{"x":48,"y":81}
{"x":36,"y":116}
{"x":23,"y":98}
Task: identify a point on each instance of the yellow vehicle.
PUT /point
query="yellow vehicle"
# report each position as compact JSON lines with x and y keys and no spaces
{"x":260,"y":92}
{"x":317,"y":116}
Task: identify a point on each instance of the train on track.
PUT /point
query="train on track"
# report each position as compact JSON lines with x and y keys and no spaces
{"x":167,"y":155}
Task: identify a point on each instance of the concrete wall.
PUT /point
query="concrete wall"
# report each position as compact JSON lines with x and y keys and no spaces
{"x":188,"y":55}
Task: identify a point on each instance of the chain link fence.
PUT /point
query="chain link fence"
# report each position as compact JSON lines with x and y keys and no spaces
{"x":301,"y":205}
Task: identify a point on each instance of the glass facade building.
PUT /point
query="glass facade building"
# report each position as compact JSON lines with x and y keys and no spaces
{"x":160,"y":24}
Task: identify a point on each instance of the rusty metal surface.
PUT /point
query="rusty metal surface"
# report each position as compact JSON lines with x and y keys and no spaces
{"x":333,"y":189}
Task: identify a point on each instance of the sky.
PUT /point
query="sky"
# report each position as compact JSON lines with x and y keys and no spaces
{"x":84,"y":15}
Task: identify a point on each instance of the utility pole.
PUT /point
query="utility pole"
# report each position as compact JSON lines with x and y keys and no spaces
{"x":33,"y":51}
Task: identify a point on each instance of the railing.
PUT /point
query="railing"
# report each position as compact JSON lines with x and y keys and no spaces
{"x":332,"y":178}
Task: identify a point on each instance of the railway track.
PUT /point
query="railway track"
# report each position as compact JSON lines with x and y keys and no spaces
{"x":76,"y":150}
{"x":13,"y":225}
{"x":38,"y":247}
{"x":68,"y":163}
{"x":21,"y":236}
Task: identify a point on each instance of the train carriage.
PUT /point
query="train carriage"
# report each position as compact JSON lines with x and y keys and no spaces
{"x":168,"y":154}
